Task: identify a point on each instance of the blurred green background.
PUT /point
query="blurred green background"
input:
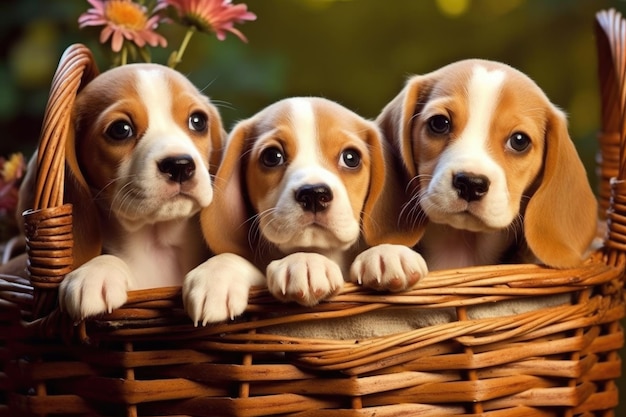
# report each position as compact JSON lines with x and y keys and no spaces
{"x":357,"y":52}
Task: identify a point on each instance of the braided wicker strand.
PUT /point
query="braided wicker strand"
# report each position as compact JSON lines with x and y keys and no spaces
{"x":49,"y":241}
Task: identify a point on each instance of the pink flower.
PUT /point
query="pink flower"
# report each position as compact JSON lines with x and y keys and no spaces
{"x":218,"y":16}
{"x":124,"y":19}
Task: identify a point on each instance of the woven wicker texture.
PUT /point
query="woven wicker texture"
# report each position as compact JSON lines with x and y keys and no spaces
{"x":147,"y":359}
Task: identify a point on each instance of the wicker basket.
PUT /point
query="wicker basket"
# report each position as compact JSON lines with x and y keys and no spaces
{"x":147,"y":359}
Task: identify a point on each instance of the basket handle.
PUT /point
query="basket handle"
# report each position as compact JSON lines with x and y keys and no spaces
{"x":48,"y":226}
{"x":610,"y":29}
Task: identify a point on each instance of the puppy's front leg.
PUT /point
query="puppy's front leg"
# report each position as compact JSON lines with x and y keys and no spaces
{"x":304,"y":277}
{"x":218,"y":289}
{"x":388,"y":267}
{"x":96,"y":287}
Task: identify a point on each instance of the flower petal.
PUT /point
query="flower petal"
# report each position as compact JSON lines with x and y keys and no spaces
{"x":117,"y":41}
{"x":105,"y":34}
{"x":97,"y":4}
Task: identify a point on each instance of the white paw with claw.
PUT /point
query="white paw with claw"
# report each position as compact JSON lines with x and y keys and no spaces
{"x":96,"y":287}
{"x":388,"y":267}
{"x":218,"y":289}
{"x":304,"y":277}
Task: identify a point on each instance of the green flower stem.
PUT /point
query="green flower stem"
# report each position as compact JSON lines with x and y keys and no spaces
{"x":124,"y":58}
{"x":178,"y":56}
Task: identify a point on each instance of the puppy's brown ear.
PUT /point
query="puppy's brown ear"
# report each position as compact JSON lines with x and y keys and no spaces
{"x":85,"y":219}
{"x":560,"y":219}
{"x":225,"y":221}
{"x":397,"y":216}
{"x":373,"y":219}
{"x":396,"y":121}
{"x":218,"y":139}
{"x":386,"y":196}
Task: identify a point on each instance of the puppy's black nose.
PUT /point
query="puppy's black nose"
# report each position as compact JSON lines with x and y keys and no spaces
{"x":314,"y":198}
{"x":178,"y":168}
{"x":470,"y":187}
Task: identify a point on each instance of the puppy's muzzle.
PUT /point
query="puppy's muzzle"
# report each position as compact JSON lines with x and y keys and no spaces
{"x":178,"y":169}
{"x":470,"y":187}
{"x":314,"y":197}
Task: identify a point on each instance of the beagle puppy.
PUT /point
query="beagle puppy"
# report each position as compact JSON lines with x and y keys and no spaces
{"x":490,"y":170}
{"x":296,"y":201}
{"x":140,"y":144}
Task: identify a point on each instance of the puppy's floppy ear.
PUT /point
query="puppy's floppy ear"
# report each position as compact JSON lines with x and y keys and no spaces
{"x":218,"y":139}
{"x":385,"y":195}
{"x":225,"y":221}
{"x":560,"y":219}
{"x":403,"y":220}
{"x":85,"y":220}
{"x":396,"y":121}
{"x":373,"y":218}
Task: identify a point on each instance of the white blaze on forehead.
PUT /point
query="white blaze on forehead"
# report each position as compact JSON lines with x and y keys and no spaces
{"x":302,"y":119}
{"x":482,"y":92}
{"x":153,"y":87}
{"x":469,"y":152}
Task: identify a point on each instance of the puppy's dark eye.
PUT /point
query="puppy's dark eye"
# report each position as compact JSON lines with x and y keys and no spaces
{"x":120,"y":130}
{"x":350,"y":158}
{"x":519,"y":142}
{"x":198,"y":122}
{"x":439,"y":125}
{"x":272,"y":157}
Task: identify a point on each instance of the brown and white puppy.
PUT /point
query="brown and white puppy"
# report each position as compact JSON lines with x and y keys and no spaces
{"x":139,"y":148}
{"x":296,"y":196}
{"x":491,"y":171}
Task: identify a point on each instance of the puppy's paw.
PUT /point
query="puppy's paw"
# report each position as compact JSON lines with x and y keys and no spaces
{"x":303,"y":277}
{"x":96,"y":287}
{"x":388,"y":267}
{"x":217,"y":290}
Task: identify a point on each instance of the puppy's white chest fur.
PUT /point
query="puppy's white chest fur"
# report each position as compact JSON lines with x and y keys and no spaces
{"x":446,"y":247}
{"x":159,"y":252}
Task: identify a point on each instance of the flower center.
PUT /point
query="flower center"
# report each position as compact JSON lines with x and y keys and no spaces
{"x":126,"y":14}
